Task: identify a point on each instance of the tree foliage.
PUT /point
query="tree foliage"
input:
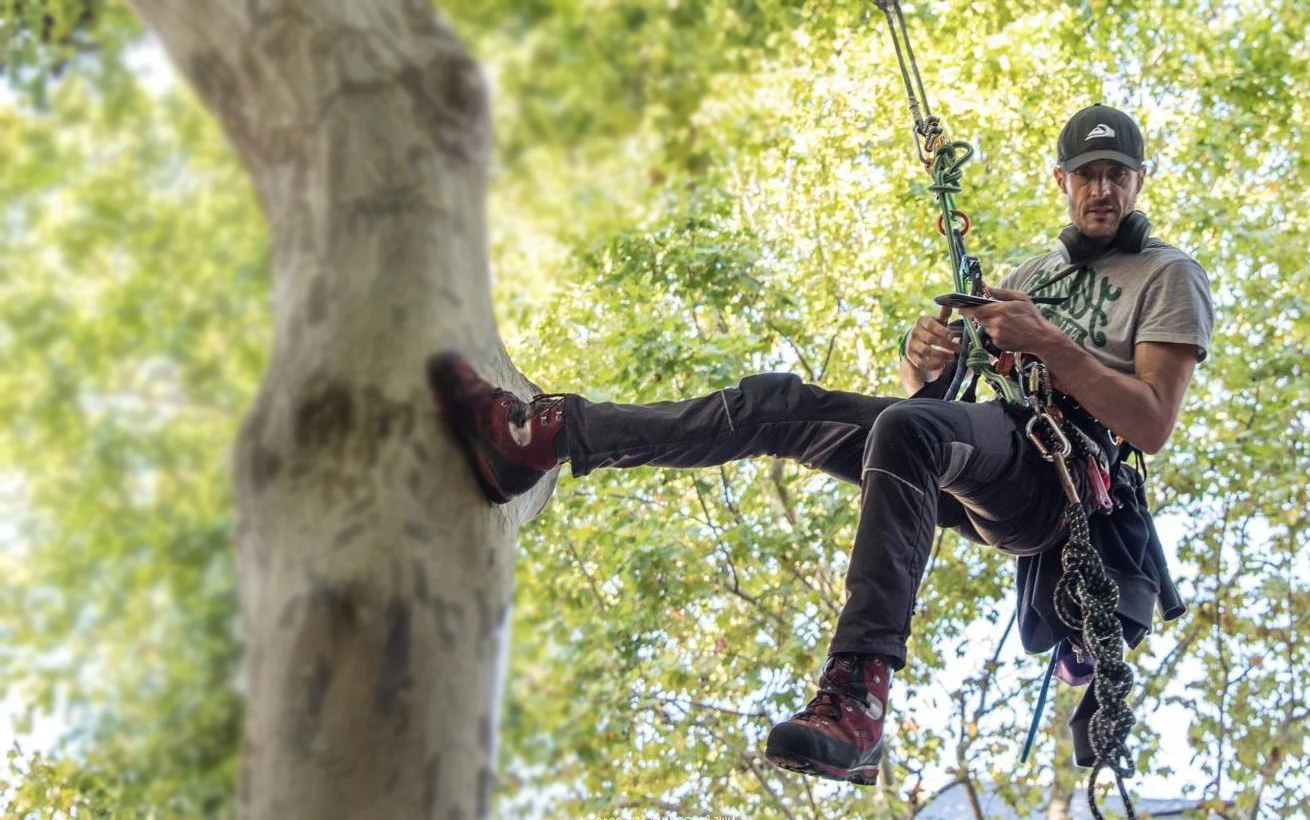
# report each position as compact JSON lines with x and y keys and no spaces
{"x":685,"y":193}
{"x":134,"y":315}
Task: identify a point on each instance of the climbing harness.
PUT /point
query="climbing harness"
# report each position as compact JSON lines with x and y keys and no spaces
{"x":1086,"y":598}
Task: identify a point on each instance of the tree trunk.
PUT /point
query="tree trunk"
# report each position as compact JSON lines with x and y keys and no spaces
{"x":375,"y":581}
{"x":1064,"y":784}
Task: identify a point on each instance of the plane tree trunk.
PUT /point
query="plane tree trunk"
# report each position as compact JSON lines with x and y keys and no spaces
{"x":375,"y":582}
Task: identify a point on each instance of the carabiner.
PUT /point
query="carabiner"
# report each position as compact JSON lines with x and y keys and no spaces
{"x":1064,"y":448}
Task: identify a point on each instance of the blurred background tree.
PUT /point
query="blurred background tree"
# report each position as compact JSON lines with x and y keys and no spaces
{"x":684,"y":193}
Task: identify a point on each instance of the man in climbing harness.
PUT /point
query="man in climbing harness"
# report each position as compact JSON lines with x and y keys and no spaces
{"x":1120,"y":336}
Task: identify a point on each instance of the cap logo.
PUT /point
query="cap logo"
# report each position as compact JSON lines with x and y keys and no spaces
{"x":1101,"y":130}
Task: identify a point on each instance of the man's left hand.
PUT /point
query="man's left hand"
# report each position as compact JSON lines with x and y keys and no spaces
{"x":1014,"y":323}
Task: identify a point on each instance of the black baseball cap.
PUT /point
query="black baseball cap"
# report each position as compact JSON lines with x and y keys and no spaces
{"x":1101,"y":132}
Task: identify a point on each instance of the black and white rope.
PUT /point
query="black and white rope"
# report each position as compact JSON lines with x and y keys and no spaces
{"x":1086,"y":599}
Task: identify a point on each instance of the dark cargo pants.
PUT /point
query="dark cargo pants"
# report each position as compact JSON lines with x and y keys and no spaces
{"x":920,"y":463}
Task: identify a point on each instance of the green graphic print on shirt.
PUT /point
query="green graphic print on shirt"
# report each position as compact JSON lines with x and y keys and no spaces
{"x":1083,"y":314}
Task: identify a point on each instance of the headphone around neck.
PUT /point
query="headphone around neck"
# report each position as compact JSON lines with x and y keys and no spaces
{"x":1131,"y":238}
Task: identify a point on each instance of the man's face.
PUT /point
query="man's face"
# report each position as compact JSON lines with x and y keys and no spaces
{"x":1100,"y":195}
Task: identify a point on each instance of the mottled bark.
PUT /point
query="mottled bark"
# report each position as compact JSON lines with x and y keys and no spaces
{"x":375,"y":582}
{"x":1065,"y":782}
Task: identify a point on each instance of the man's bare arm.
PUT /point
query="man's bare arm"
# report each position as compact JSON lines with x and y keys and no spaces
{"x":914,"y":379}
{"x":1142,"y":408}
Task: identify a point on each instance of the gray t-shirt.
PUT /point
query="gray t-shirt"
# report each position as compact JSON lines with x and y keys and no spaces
{"x":1158,"y":295}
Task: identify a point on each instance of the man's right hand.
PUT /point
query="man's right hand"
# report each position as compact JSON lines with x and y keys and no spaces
{"x":930,"y":346}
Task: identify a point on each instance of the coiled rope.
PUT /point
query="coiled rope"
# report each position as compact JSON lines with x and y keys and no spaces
{"x":1086,"y":599}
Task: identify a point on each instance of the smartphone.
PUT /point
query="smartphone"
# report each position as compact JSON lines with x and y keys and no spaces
{"x":959,"y":300}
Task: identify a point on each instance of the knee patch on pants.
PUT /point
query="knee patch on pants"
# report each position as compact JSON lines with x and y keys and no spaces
{"x":900,"y":428}
{"x":763,"y":397}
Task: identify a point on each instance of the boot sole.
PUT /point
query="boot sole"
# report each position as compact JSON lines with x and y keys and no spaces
{"x":860,"y":775}
{"x":438,"y":368}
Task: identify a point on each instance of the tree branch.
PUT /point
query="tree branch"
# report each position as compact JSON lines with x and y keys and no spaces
{"x":591,"y":581}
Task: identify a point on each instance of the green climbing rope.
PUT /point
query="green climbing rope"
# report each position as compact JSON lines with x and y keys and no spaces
{"x":945,"y":161}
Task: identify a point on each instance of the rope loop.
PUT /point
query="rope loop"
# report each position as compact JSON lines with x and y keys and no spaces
{"x":947,"y":166}
{"x":958,"y":214}
{"x":930,"y":128}
{"x":978,"y":358}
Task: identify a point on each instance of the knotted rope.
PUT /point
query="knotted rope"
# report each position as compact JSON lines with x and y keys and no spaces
{"x":1086,"y":599}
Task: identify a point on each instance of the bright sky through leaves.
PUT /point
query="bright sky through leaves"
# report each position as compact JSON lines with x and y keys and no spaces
{"x":683,"y":194}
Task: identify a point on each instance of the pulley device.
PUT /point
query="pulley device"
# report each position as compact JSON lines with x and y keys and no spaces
{"x":1086,"y":597}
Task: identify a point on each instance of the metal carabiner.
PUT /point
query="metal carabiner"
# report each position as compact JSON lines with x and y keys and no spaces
{"x":1058,"y":457}
{"x":1065,"y":448}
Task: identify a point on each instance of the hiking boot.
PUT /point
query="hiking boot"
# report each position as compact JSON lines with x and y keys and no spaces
{"x":838,"y":735}
{"x":509,"y":443}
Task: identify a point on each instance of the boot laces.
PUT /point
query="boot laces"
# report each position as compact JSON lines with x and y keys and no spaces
{"x":827,"y":703}
{"x":544,"y":403}
{"x":548,"y":400}
{"x":540,"y":405}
